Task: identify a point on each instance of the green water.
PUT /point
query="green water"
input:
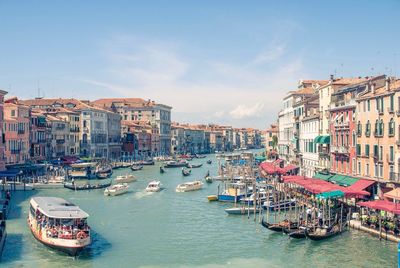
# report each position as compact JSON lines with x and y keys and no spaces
{"x":169,"y":229}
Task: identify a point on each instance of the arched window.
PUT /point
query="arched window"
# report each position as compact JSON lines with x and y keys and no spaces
{"x":368,"y":129}
{"x":391,"y":127}
{"x":382,"y":126}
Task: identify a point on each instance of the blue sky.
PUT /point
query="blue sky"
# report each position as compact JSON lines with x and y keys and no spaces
{"x":225,"y":62}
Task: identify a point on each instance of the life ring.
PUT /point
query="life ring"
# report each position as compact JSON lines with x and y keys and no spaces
{"x":81,"y":235}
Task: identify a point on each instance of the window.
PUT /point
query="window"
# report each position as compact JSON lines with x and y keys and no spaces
{"x":368,"y":129}
{"x":367,"y":169}
{"x":359,"y":167}
{"x":366,"y":149}
{"x":354,"y":139}
{"x":391,"y":108}
{"x":380,"y":153}
{"x":368,"y":105}
{"x":391,"y":128}
{"x":358,"y":150}
{"x":359,"y":128}
{"x":376,"y":151}
{"x":391,"y":154}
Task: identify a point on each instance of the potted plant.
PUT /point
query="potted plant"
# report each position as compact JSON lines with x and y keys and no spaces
{"x":374,"y":221}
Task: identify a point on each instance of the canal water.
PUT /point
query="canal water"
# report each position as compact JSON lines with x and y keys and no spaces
{"x":169,"y":229}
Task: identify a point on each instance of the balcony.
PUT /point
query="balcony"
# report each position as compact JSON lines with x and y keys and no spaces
{"x":74,"y":130}
{"x":395,"y":177}
{"x":323,"y":153}
{"x":344,"y":124}
{"x":339,"y":150}
{"x":378,"y":135}
{"x":15,"y":151}
{"x":60,"y":141}
{"x":21,"y":131}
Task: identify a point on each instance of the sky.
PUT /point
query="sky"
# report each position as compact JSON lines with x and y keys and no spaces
{"x":226,"y":62}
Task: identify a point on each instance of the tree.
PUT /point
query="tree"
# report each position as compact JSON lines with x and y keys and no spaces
{"x":274,"y":142}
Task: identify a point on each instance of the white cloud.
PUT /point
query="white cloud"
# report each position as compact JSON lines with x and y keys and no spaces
{"x":243,"y":111}
{"x":137,"y":67}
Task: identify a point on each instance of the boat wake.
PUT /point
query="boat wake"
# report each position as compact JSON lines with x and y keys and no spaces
{"x":141,"y":194}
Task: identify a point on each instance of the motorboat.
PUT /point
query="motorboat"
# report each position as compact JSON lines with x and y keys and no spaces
{"x":153,"y":186}
{"x":200,"y":156}
{"x":195,"y":165}
{"x":189,"y":186}
{"x":59,"y":224}
{"x":234,"y":192}
{"x":136,"y":167}
{"x":174,"y":164}
{"x":186,"y":172}
{"x":261,"y":196}
{"x":282,"y":205}
{"x":209,"y":162}
{"x":243,"y":210}
{"x":73,"y":186}
{"x":212,"y":198}
{"x":147,"y":162}
{"x":104,"y":174}
{"x":116,"y":189}
{"x":125,"y":178}
{"x":208,"y":179}
{"x":83,"y":170}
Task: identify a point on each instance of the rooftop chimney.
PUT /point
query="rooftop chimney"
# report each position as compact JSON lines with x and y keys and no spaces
{"x":387,"y":83}
{"x":332,"y":77}
{"x":373,"y":88}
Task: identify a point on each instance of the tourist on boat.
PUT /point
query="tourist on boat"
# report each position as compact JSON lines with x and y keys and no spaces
{"x":319,"y":218}
{"x":308,"y":214}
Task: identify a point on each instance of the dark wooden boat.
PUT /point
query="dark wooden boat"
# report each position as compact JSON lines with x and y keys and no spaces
{"x":323,"y":233}
{"x":74,"y":187}
{"x":296,"y":232}
{"x":186,"y":172}
{"x":136,"y":167}
{"x":175,"y":164}
{"x":279,"y":227}
{"x":209,"y":162}
{"x":162,"y":170}
{"x":195,"y":165}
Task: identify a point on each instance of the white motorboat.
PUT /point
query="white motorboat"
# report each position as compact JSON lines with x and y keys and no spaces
{"x":153,"y":186}
{"x":59,"y":224}
{"x":125,"y":178}
{"x":189,"y":186}
{"x":116,"y":189}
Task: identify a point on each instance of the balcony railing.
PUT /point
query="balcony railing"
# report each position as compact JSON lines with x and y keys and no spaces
{"x":339,"y":149}
{"x":341,"y":124}
{"x":75,"y":130}
{"x":60,"y":141}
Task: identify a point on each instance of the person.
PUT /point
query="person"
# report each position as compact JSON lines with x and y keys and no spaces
{"x":308,"y":211}
{"x":319,"y":218}
{"x":8,"y":195}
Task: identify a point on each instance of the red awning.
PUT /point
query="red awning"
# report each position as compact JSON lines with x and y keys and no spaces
{"x":289,"y":168}
{"x":382,"y":205}
{"x":317,"y":186}
{"x":270,"y":168}
{"x":361,"y":185}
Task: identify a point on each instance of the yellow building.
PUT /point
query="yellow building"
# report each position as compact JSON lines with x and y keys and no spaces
{"x":376,"y":120}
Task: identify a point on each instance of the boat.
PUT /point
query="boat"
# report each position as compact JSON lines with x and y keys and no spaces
{"x":83,"y":170}
{"x":116,"y":165}
{"x":53,"y":183}
{"x":73,"y":186}
{"x":195,"y":165}
{"x":320,"y":233}
{"x":209,"y":162}
{"x":189,"y":186}
{"x":283,"y":205}
{"x":174,"y":164}
{"x":126,"y":165}
{"x":153,"y":186}
{"x":104,"y":174}
{"x":125,"y":178}
{"x":59,"y":224}
{"x":212,"y":198}
{"x":147,"y":162}
{"x":186,"y":172}
{"x":260,"y":197}
{"x":162,"y":170}
{"x":200,"y":156}
{"x":297,"y":233}
{"x":208,"y":179}
{"x":279,"y":227}
{"x":234,"y":192}
{"x":136,"y":167}
{"x":242,"y":210}
{"x":117,"y":189}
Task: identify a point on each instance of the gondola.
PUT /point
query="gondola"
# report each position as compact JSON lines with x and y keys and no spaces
{"x":279,"y":227}
{"x":162,"y":170}
{"x":195,"y":165}
{"x":136,"y":167}
{"x":72,"y":186}
{"x":323,"y":233}
{"x":207,"y":174}
{"x":186,"y":172}
{"x":209,"y":162}
{"x":297,"y":233}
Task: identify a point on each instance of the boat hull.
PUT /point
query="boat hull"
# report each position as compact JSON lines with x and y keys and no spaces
{"x":229,"y":198}
{"x":212,"y":198}
{"x":241,"y":211}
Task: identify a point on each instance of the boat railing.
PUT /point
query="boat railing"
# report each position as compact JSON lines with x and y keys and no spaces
{"x":71,"y":233}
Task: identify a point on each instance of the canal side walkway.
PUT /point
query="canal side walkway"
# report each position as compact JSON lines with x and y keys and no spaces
{"x":357,"y":225}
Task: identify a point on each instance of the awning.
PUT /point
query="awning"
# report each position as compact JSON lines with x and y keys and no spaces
{"x":393,"y":194}
{"x":322,"y":176}
{"x":317,"y":139}
{"x":343,"y":180}
{"x":289,"y":168}
{"x":361,"y":184}
{"x":331,"y":195}
{"x":382,"y":205}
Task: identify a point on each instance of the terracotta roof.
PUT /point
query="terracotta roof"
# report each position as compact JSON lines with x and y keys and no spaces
{"x":131,"y":102}
{"x":348,"y":81}
{"x":393,"y":85}
{"x":50,"y":102}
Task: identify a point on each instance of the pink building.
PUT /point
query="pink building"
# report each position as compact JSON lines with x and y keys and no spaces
{"x":16,"y":129}
{"x":2,"y":135}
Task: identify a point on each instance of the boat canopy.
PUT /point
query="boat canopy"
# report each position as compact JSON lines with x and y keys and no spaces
{"x":331,"y":195}
{"x":58,"y":208}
